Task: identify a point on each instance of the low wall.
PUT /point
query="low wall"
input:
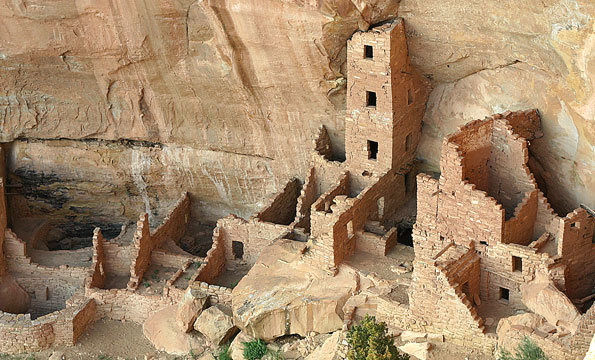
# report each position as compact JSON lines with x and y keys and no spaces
{"x":214,"y":263}
{"x":173,"y":228}
{"x":20,"y":334}
{"x":123,"y":304}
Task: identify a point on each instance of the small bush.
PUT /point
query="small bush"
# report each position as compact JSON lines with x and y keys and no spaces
{"x":224,"y":353}
{"x":370,"y":341}
{"x":526,"y":350}
{"x":255,"y":349}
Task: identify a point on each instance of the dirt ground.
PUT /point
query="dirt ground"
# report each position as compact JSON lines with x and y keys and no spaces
{"x":106,"y":340}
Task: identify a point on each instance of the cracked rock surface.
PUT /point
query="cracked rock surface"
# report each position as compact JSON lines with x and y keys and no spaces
{"x":222,"y":97}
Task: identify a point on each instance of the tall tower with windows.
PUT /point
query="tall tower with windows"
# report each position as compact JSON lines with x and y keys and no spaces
{"x":385,"y":101}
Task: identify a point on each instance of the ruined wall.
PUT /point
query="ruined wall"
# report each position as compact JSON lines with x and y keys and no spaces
{"x":145,"y":241}
{"x":99,"y":274}
{"x":122,"y":304}
{"x":434,"y":297}
{"x":282,"y":207}
{"x":214,"y":263}
{"x":49,"y":287}
{"x":577,"y":249}
{"x":520,"y":228}
{"x":20,"y":334}
{"x":308,"y":195}
{"x":509,"y":177}
{"x":254,"y":235}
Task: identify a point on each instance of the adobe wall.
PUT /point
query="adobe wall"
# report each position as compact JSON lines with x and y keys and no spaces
{"x":576,"y":247}
{"x":282,"y":206}
{"x":117,"y":259}
{"x":123,"y":304}
{"x":376,"y":244}
{"x":20,"y":334}
{"x":214,"y":263}
{"x":173,"y":228}
{"x":435,"y":296}
{"x":49,"y":287}
{"x":308,"y":195}
{"x":98,"y":276}
{"x":255,"y":236}
{"x":336,"y":218}
{"x":394,"y":123}
{"x":509,"y":177}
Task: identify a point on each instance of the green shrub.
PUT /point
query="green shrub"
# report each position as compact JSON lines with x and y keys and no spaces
{"x":526,"y":350}
{"x":370,"y":341}
{"x":255,"y":349}
{"x":224,"y":353}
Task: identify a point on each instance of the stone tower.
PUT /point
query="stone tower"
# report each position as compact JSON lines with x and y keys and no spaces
{"x":385,"y":101}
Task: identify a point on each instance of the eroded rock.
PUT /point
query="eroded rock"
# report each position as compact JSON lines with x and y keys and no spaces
{"x":283,"y":295}
{"x":161,"y":330}
{"x":216,"y":325}
{"x":190,"y":308}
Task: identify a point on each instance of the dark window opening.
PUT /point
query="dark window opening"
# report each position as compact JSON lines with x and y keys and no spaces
{"x":504,"y":294}
{"x":408,"y":142}
{"x":593,"y":238}
{"x":405,"y":235}
{"x":409,"y":97}
{"x":368,"y":52}
{"x":466,"y":291}
{"x":370,"y":98}
{"x":238,"y":249}
{"x":407,"y":182}
{"x":517,"y":264}
{"x":483,"y":242}
{"x":441,"y":238}
{"x":574,"y":225}
{"x":372,"y":150}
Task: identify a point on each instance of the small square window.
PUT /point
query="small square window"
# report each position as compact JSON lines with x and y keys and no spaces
{"x":368,"y":52}
{"x":575,"y":225}
{"x":517,"y":264}
{"x":372,"y":150}
{"x":370,"y":98}
{"x":504,"y":294}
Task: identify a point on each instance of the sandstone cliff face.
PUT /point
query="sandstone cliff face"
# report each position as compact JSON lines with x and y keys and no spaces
{"x":222,"y":97}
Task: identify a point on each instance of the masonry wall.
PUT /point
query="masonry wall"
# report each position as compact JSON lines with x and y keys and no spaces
{"x":214,"y":263}
{"x":49,"y":287}
{"x":335,"y":227}
{"x":308,"y":195}
{"x":3,"y":219}
{"x":254,"y":235}
{"x":577,"y":250}
{"x":98,"y":266}
{"x":439,"y":305}
{"x":283,"y":205}
{"x":173,"y":228}
{"x":122,"y":304}
{"x":510,"y":178}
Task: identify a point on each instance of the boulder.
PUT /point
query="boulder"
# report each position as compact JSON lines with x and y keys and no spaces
{"x":236,"y":349}
{"x":190,"y":308}
{"x":283,"y":295}
{"x":215,"y":325}
{"x":161,"y":330}
{"x":329,"y":349}
{"x":13,"y":298}
{"x":543,"y":298}
{"x":513,"y":329}
{"x":418,"y":350}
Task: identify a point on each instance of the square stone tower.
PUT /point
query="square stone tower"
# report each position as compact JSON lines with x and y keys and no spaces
{"x":385,"y":101}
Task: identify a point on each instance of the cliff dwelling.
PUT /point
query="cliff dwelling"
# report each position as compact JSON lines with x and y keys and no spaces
{"x":191,"y":247}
